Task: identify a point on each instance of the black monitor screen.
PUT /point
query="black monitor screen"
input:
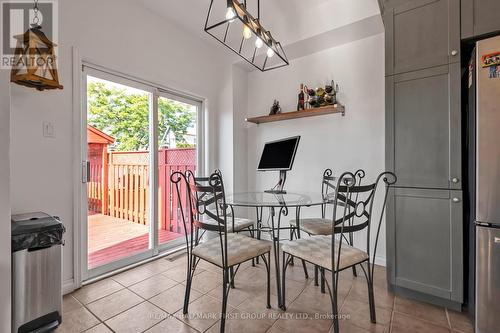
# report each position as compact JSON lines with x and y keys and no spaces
{"x":279,"y":155}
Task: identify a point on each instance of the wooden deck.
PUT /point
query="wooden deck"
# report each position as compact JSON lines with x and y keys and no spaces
{"x":112,"y":238}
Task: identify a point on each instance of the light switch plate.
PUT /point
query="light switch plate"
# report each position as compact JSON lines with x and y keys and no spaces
{"x":48,"y":130}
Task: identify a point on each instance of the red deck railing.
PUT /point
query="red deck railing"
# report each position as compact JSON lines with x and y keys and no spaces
{"x":119,"y":185}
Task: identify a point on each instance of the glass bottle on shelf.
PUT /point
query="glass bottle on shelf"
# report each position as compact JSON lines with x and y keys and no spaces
{"x":301,"y":98}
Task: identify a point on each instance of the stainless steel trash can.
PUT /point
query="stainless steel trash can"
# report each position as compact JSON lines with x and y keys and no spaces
{"x":36,"y":272}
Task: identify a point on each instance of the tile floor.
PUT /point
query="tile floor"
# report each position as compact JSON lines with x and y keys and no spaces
{"x":149,"y":299}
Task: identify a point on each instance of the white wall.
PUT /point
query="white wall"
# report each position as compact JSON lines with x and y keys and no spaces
{"x":123,"y":36}
{"x":332,"y":141}
{"x":5,"y":265}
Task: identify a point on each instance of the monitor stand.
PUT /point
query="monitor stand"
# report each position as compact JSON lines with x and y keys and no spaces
{"x":278,"y":188}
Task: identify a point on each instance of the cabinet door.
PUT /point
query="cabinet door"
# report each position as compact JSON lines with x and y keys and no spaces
{"x":424,"y":229}
{"x":423,"y":128}
{"x":486,"y":16}
{"x":422,"y":34}
{"x":480,"y":17}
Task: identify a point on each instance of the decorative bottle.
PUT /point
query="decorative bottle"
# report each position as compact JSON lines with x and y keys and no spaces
{"x":301,"y":102}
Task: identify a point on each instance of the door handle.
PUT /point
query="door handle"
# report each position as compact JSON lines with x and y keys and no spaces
{"x":455,"y":180}
{"x":454,"y":52}
{"x":85,"y":171}
{"x":456,"y":200}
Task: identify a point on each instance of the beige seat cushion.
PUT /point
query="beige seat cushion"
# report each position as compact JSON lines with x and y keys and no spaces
{"x":314,"y":226}
{"x":317,"y":250}
{"x":239,"y":223}
{"x":240,"y":248}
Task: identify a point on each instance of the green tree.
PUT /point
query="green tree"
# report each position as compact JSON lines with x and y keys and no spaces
{"x":125,"y":116}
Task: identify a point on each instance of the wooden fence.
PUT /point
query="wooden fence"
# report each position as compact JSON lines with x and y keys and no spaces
{"x":119,"y":186}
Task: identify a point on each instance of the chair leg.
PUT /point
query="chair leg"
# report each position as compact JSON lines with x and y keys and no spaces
{"x":268,"y":267}
{"x":354,"y":271}
{"x":306,"y":274}
{"x":335,"y":311}
{"x":283,"y":285}
{"x":225,"y":291}
{"x":231,"y":271}
{"x":322,"y":280}
{"x":252,"y":235}
{"x":189,"y":278}
{"x":371,"y":299}
{"x":291,"y":238}
{"x":316,"y":276}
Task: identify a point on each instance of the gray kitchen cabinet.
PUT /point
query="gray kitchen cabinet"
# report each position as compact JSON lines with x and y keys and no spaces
{"x":480,"y":17}
{"x":421,"y":34}
{"x":424,"y":242}
{"x":423,"y":127}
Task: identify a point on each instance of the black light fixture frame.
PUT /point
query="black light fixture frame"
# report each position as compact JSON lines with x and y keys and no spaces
{"x":247,"y":19}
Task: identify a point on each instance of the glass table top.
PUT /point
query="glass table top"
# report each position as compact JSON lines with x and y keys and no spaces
{"x":263,"y":199}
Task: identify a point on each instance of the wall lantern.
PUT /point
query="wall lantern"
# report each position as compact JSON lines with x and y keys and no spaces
{"x":230,"y":22}
{"x":34,"y":60}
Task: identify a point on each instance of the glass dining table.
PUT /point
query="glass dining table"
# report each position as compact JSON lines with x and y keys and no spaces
{"x":278,"y":206}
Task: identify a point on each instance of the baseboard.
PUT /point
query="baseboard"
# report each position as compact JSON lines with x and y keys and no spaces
{"x":381,"y":261}
{"x":68,"y":286}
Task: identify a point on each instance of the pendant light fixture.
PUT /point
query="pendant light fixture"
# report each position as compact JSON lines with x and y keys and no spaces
{"x":34,"y":60}
{"x":230,"y":22}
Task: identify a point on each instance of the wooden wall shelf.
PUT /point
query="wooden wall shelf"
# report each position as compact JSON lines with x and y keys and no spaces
{"x":298,"y":114}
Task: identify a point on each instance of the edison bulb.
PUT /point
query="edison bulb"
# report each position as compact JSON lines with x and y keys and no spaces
{"x":259,"y":43}
{"x":230,"y":14}
{"x":247,"y":32}
{"x":270,"y":52}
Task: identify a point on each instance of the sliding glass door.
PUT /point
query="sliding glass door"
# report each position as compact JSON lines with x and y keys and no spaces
{"x":136,"y":135}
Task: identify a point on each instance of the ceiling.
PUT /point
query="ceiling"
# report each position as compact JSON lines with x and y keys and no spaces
{"x":290,"y":21}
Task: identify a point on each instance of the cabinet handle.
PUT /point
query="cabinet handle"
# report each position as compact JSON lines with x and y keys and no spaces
{"x":454,"y":180}
{"x":454,"y":52}
{"x":456,"y":200}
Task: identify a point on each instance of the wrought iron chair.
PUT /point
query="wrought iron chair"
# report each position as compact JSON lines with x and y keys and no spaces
{"x":333,"y":252}
{"x":237,"y":224}
{"x":228,"y":250}
{"x":322,"y":225}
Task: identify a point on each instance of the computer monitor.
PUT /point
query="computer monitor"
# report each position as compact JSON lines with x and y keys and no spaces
{"x":279,"y":156}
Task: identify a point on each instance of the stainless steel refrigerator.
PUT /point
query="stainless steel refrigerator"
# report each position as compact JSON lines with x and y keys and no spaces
{"x":484,"y":159}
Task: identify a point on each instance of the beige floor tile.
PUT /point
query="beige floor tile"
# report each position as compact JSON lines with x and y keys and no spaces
{"x":206,"y":281}
{"x":293,"y":288}
{"x":137,"y":319}
{"x":172,"y":300}
{"x":96,"y":290}
{"x":202,"y":313}
{"x":134,"y":275}
{"x":312,"y":298}
{"x":421,"y":310}
{"x":460,"y":321}
{"x":70,"y":304}
{"x":77,"y":321}
{"x":242,"y":292}
{"x":159,"y":266}
{"x":296,"y":319}
{"x":152,"y":286}
{"x":171,"y":324}
{"x":257,"y":305}
{"x":357,"y":313}
{"x":383,"y":297}
{"x":241,"y":321}
{"x":296,"y":272}
{"x":101,"y":328}
{"x":346,"y":327}
{"x":407,"y":324}
{"x":114,"y":304}
{"x":179,"y":273}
